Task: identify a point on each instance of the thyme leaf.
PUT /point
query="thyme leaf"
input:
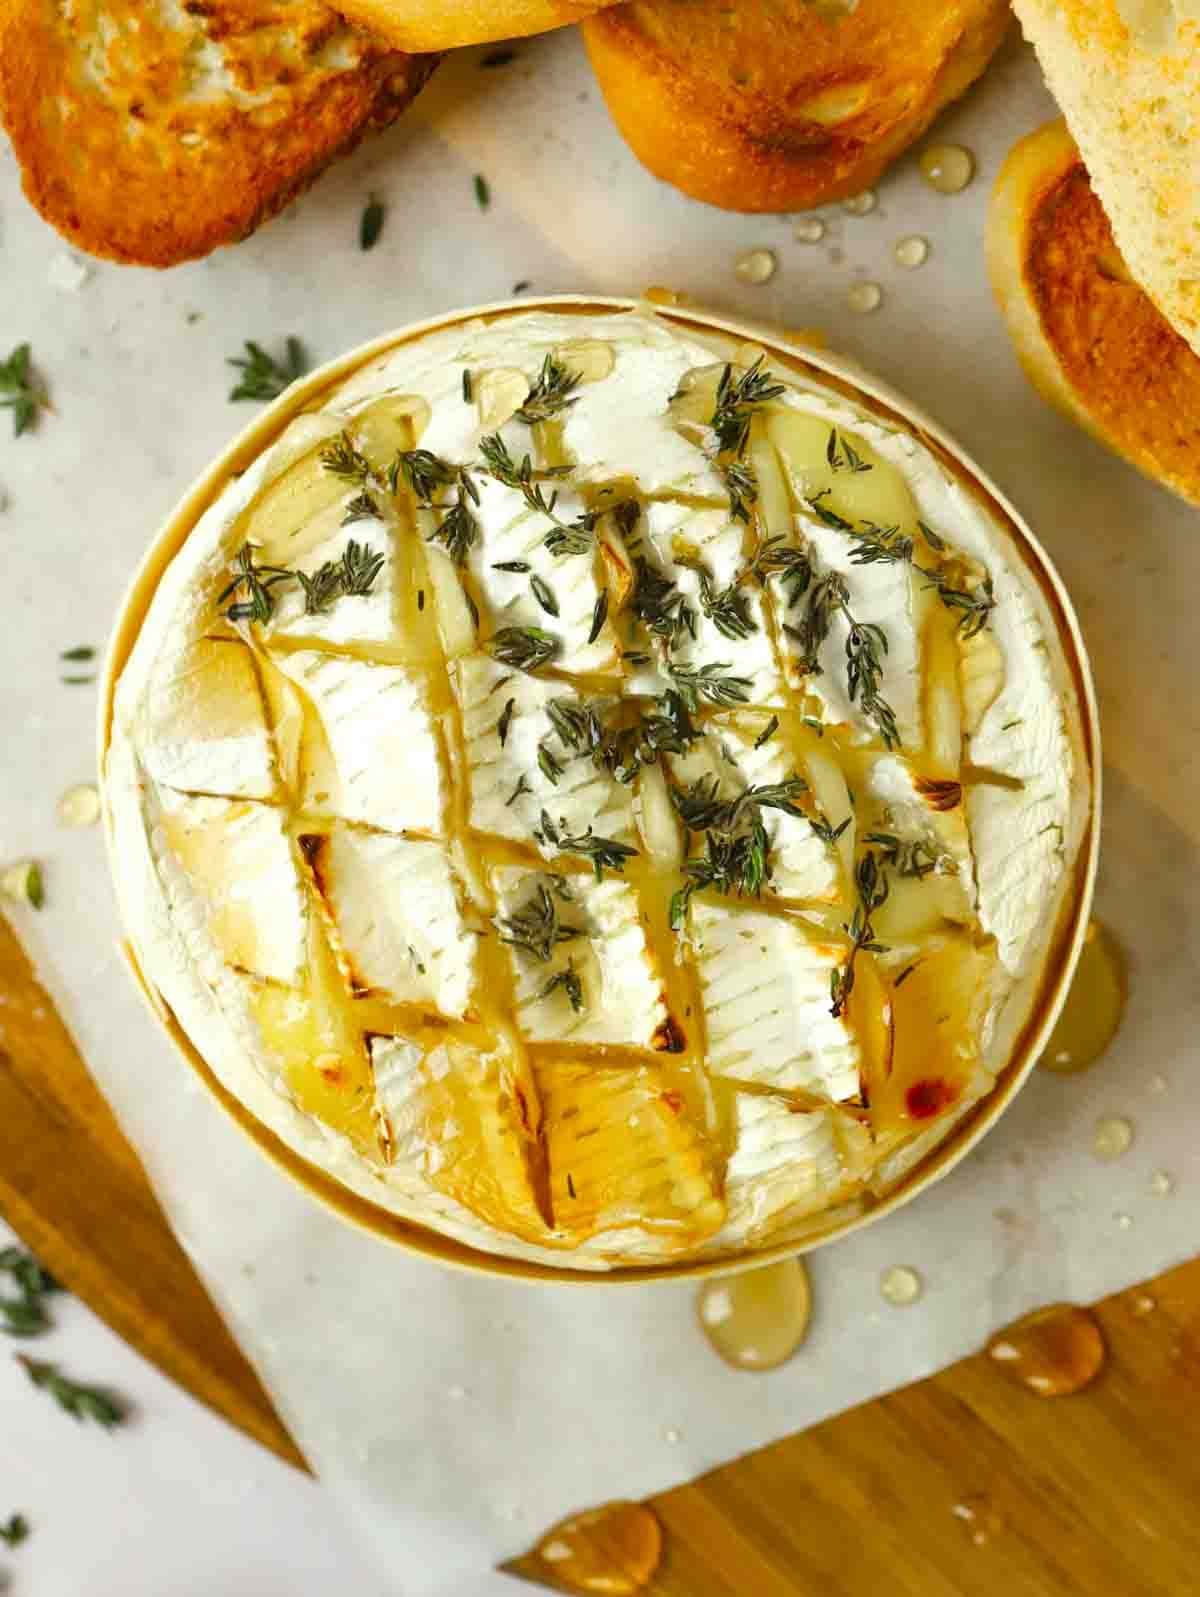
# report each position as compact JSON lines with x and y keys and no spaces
{"x":79,"y":1401}
{"x":21,"y":391}
{"x":605,"y":853}
{"x":707,"y":683}
{"x":570,"y":984}
{"x":872,"y":886}
{"x":525,"y":648}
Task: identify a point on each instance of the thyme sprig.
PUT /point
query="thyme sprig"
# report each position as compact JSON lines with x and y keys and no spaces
{"x":552,"y":392}
{"x":732,"y":864}
{"x":872,"y":886}
{"x":536,"y":929}
{"x":736,"y":400}
{"x":623,"y":751}
{"x":775,"y":557}
{"x":727,"y":608}
{"x":264,"y":377}
{"x":866,"y":644}
{"x":351,"y":576}
{"x":565,"y":537}
{"x":659,"y":605}
{"x":701,"y":808}
{"x":79,"y":1401}
{"x":429,"y":476}
{"x":342,"y":458}
{"x":20,"y":390}
{"x":568,"y":980}
{"x":708,"y":683}
{"x":25,"y":1314}
{"x":873,"y":545}
{"x":605,"y":853}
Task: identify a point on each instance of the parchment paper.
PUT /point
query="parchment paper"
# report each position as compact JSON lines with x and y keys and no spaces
{"x":456,"y":1417}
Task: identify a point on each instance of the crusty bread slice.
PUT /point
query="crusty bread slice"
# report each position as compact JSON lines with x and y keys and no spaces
{"x":1090,"y":340}
{"x":1127,"y":76}
{"x":446,"y":24}
{"x":778,"y":105}
{"x":153,"y":133}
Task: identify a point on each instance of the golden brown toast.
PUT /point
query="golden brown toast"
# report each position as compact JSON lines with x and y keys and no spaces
{"x":446,"y":24}
{"x":153,"y":134}
{"x":779,"y":105}
{"x":1091,"y":341}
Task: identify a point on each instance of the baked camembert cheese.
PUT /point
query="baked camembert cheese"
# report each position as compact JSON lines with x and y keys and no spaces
{"x":598,"y":791}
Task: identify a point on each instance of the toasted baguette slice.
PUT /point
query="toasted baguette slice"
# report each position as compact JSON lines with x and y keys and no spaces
{"x":775,"y":105}
{"x":446,"y":24}
{"x":1126,"y":74}
{"x":154,"y":133}
{"x":1088,"y":337}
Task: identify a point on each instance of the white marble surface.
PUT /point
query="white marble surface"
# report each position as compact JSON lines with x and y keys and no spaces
{"x":452,"y":1418}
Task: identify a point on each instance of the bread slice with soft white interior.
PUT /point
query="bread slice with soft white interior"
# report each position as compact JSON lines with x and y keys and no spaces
{"x":153,"y":133}
{"x":1126,"y":74}
{"x":1089,"y":338}
{"x":781,"y":105}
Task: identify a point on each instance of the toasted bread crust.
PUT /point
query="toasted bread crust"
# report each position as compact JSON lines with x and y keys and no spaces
{"x":154,"y":142}
{"x":774,"y":106}
{"x":447,"y":24}
{"x":1127,"y":76}
{"x":1091,"y":341}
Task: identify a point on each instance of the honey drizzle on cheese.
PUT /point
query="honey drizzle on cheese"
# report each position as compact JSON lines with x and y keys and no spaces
{"x":278,"y":520}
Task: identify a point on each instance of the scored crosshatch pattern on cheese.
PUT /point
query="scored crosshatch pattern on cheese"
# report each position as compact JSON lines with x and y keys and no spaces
{"x":566,"y":783}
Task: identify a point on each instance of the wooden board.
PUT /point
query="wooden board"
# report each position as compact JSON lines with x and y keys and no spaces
{"x":1098,"y":1493}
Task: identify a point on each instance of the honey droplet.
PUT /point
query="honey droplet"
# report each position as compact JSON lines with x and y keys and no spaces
{"x":864,"y":297}
{"x":948,"y":168}
{"x":79,"y":806}
{"x":900,"y":1286}
{"x":1052,"y":1352}
{"x":861,"y":204}
{"x":981,"y":1522}
{"x":912,"y":251}
{"x":809,"y":230}
{"x":1094,"y":1007}
{"x":756,"y":1321}
{"x":613,"y":1550}
{"x":1114,"y":1136}
{"x":1144,"y":1304}
{"x":756,"y":266}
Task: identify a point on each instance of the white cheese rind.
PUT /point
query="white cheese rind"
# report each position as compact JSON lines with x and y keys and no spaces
{"x":385,"y":765}
{"x":615,"y":430}
{"x":623,"y":998}
{"x":398,"y":925}
{"x":765,"y":980}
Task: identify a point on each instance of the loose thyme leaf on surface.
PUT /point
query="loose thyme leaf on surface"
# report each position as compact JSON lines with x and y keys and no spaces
{"x":767,"y":733}
{"x":536,"y":929}
{"x":570,"y":984}
{"x":544,"y":594}
{"x":483,"y":194}
{"x":20,"y":390}
{"x":842,"y":455}
{"x":264,"y":377}
{"x":80,"y":1402}
{"x":915,"y":856}
{"x":552,"y":392}
{"x":526,"y":648}
{"x":605,"y":853}
{"x":872,"y":886}
{"x":599,"y":617}
{"x":505,"y":721}
{"x":15,"y":1530}
{"x":82,"y":651}
{"x":707,"y":683}
{"x":370,"y":224}
{"x":549,"y":765}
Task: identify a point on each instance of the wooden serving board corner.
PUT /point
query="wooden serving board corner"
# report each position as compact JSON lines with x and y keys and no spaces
{"x":1095,"y":1494}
